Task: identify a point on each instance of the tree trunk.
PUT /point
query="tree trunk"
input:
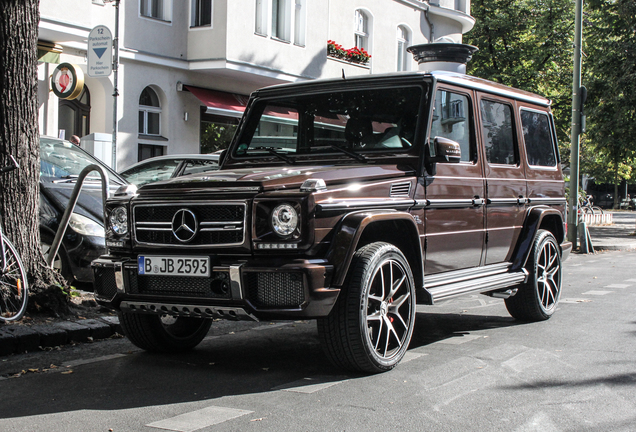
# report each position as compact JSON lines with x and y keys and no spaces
{"x":19,"y":189}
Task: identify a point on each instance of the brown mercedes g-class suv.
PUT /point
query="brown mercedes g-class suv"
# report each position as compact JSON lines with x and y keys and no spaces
{"x":348,"y":201}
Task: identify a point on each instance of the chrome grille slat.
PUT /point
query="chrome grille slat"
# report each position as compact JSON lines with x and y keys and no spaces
{"x":219,"y":224}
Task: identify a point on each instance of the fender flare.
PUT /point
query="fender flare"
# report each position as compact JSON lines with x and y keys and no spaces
{"x":349,"y":231}
{"x":532,"y":223}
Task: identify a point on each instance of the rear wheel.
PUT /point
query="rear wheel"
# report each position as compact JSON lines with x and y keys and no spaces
{"x":164,"y":333}
{"x":14,"y":288}
{"x":370,"y":327}
{"x":537,"y":299}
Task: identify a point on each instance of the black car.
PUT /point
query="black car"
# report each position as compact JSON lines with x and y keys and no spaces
{"x":61,"y":162}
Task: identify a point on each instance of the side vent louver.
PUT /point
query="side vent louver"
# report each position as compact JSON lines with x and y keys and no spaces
{"x":400,"y":189}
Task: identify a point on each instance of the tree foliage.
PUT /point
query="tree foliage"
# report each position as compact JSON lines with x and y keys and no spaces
{"x":609,"y":150}
{"x":527,"y":44}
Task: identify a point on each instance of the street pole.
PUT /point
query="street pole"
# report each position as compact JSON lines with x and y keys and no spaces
{"x":576,"y":127}
{"x":115,"y":90}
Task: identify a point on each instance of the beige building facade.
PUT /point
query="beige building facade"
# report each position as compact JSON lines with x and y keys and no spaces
{"x":187,"y":67}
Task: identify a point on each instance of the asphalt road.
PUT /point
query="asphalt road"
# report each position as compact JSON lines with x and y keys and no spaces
{"x":470,"y":368}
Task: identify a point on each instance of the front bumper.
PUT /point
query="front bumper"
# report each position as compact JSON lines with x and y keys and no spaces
{"x":239,"y":290}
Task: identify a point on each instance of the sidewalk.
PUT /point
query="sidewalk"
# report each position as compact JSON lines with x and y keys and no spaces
{"x":621,"y":235}
{"x":92,"y":323}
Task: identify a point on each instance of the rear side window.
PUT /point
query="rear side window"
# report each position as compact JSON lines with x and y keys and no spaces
{"x":497,"y":132}
{"x":451,"y":119}
{"x":538,"y":139}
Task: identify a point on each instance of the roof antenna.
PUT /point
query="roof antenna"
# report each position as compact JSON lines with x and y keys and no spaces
{"x":343,"y":74}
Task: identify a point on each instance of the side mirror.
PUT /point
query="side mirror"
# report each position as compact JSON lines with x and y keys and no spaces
{"x":446,"y":151}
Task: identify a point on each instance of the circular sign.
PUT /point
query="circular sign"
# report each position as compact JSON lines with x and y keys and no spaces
{"x":67,"y":81}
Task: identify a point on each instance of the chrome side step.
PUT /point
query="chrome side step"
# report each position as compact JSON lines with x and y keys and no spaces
{"x":491,"y":280}
{"x":195,"y":311}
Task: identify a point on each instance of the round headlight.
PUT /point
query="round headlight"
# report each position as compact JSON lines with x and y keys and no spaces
{"x":284,"y":220}
{"x":118,"y":220}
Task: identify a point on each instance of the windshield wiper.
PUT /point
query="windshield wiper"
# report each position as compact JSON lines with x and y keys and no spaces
{"x":349,"y":153}
{"x":280,"y":156}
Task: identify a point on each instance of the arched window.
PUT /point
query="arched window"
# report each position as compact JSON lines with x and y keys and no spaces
{"x":403,"y":41}
{"x":361,"y":30}
{"x":149,"y":113}
{"x":74,"y":115}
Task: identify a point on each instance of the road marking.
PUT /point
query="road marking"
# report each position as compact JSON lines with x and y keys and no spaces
{"x":79,"y":362}
{"x":630,"y":280}
{"x":617,"y":286}
{"x":194,"y":420}
{"x":312,"y":385}
{"x":459,"y":339}
{"x":597,"y":293}
{"x":411,"y":356}
{"x":574,"y":300}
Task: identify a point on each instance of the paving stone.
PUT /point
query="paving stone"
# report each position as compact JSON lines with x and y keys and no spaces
{"x":27,"y":339}
{"x":8,"y":343}
{"x":99,"y":329}
{"x":50,"y":335}
{"x":113,"y":322}
{"x":74,"y":331}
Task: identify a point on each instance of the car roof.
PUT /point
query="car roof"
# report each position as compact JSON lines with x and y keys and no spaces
{"x":454,"y":78}
{"x":196,"y":156}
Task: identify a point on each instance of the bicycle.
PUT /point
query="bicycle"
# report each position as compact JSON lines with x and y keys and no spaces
{"x":14,"y":287}
{"x":586,"y":207}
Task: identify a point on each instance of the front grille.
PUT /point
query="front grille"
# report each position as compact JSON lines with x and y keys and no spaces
{"x":217,"y":286}
{"x":105,"y":284}
{"x":275,"y":290}
{"x":221,"y":224}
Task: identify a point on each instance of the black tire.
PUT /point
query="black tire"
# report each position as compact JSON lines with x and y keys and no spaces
{"x":538,"y":298}
{"x":370,"y":327}
{"x":61,"y":262}
{"x":14,"y":286}
{"x":162,"y":333}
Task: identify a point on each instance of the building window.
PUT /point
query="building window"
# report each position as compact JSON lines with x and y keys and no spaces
{"x":361,"y":30}
{"x":201,"y":13}
{"x":146,"y":151}
{"x":74,"y":115}
{"x":261,"y":17}
{"x":158,"y":9}
{"x":299,"y":22}
{"x":149,"y":113}
{"x":403,"y":41}
{"x":281,"y":20}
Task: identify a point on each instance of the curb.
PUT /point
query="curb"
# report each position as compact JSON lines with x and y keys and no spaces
{"x":19,"y":339}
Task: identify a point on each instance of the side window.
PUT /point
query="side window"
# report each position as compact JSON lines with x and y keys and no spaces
{"x":538,"y":139}
{"x":451,"y":119}
{"x":497,"y":132}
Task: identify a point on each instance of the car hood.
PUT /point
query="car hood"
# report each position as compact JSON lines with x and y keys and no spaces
{"x":286,"y":177}
{"x":89,"y":202}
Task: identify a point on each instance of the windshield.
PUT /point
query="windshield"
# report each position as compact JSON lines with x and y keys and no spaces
{"x":64,"y":160}
{"x":347,"y":123}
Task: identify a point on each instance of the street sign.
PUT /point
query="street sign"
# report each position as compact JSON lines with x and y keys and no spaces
{"x":100,"y":52}
{"x":67,"y":81}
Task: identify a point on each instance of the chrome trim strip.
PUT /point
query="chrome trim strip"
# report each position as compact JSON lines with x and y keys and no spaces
{"x":153,"y":229}
{"x":450,"y":203}
{"x":221,"y":229}
{"x":464,"y":274}
{"x":547,"y":200}
{"x":503,"y":201}
{"x":357,"y":204}
{"x":235,"y":282}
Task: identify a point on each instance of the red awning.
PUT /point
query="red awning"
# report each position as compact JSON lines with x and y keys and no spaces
{"x":220,"y":103}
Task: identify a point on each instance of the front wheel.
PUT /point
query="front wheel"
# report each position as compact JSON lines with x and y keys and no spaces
{"x":14,"y":288}
{"x":537,"y":299}
{"x":164,"y":333}
{"x":370,"y":327}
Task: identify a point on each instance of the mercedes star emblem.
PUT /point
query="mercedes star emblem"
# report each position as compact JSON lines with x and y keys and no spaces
{"x":184,"y":225}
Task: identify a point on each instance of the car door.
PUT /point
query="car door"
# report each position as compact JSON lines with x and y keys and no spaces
{"x":505,"y":177}
{"x":455,"y":193}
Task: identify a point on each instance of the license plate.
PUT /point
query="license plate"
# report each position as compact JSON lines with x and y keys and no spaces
{"x":174,"y":265}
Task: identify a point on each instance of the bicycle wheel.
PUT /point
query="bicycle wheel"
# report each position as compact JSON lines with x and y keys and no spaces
{"x":597,"y":210}
{"x":14,"y":288}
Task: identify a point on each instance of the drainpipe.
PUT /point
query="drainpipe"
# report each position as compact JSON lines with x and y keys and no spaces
{"x":430,"y":25}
